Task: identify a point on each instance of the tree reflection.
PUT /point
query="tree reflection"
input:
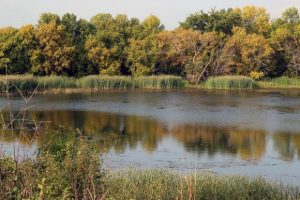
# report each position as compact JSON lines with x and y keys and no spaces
{"x":117,"y":132}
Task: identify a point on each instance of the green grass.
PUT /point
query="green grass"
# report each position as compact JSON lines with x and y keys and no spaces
{"x":230,"y":82}
{"x":93,"y":82}
{"x":104,"y":82}
{"x":159,"y":82}
{"x":281,"y":82}
{"x":159,"y":184}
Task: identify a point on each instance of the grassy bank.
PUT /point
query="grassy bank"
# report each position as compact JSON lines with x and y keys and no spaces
{"x":94,"y":82}
{"x":72,"y":170}
{"x":162,"y":82}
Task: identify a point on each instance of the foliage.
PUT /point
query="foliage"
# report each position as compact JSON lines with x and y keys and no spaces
{"x":214,"y":20}
{"x":54,"y":51}
{"x":256,"y":75}
{"x":71,"y":172}
{"x":244,"y":53}
{"x":233,"y":41}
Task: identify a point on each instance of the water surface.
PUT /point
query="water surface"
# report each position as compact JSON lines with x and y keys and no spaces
{"x":255,"y":133}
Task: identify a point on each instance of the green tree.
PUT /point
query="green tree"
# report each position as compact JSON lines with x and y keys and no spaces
{"x":245,"y":52}
{"x":142,"y":56}
{"x":215,"y":20}
{"x":287,"y":42}
{"x":78,"y":31}
{"x":291,"y":16}
{"x":6,"y":45}
{"x":255,"y":19}
{"x":47,"y":18}
{"x":16,"y":47}
{"x":54,"y":51}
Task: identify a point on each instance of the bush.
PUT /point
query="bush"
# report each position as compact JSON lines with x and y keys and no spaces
{"x":256,"y":75}
{"x":72,"y":172}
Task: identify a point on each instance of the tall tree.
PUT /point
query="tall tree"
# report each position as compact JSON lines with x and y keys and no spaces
{"x":214,"y":20}
{"x":287,"y":41}
{"x":16,"y":47}
{"x":255,"y":19}
{"x":245,"y":52}
{"x":78,"y":31}
{"x":192,"y":53}
{"x":142,"y":51}
{"x":7,"y":44}
{"x":54,"y":51}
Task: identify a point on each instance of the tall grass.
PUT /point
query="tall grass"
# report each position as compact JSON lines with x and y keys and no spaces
{"x":93,"y":82}
{"x":281,"y":82}
{"x":55,"y":82}
{"x":104,"y":82}
{"x":230,"y":82}
{"x":158,"y":184}
{"x":159,"y":82}
{"x":22,"y":82}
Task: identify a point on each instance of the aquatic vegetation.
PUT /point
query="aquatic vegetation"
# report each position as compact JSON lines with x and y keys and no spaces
{"x":104,"y":82}
{"x":161,"y":184}
{"x":281,"y":82}
{"x":93,"y":82}
{"x":230,"y":82}
{"x":159,"y":82}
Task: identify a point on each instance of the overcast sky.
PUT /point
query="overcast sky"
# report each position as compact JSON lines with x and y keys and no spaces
{"x":20,"y":12}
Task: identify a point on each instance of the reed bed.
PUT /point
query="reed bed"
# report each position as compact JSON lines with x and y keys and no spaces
{"x":93,"y":82}
{"x":230,"y":82}
{"x":160,"y":184}
{"x":159,"y":82}
{"x":104,"y":82}
{"x":281,"y":82}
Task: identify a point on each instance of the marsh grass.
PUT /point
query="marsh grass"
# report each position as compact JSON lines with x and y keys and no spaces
{"x":281,"y":82}
{"x":93,"y":82}
{"x":230,"y":82}
{"x":159,"y":184}
{"x":159,"y":82}
{"x":104,"y":82}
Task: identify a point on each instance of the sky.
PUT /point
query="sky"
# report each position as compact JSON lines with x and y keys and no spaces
{"x":20,"y":12}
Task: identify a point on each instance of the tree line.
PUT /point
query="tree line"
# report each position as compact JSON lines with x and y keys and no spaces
{"x":235,"y":41}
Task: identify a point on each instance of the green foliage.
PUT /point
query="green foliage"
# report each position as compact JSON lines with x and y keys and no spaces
{"x":230,"y":82}
{"x":142,"y":56}
{"x":232,"y":41}
{"x":244,"y":53}
{"x":214,"y":20}
{"x":54,"y":52}
{"x":72,"y":172}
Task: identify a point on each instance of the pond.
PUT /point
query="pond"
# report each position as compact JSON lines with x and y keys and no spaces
{"x":253,"y":133}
